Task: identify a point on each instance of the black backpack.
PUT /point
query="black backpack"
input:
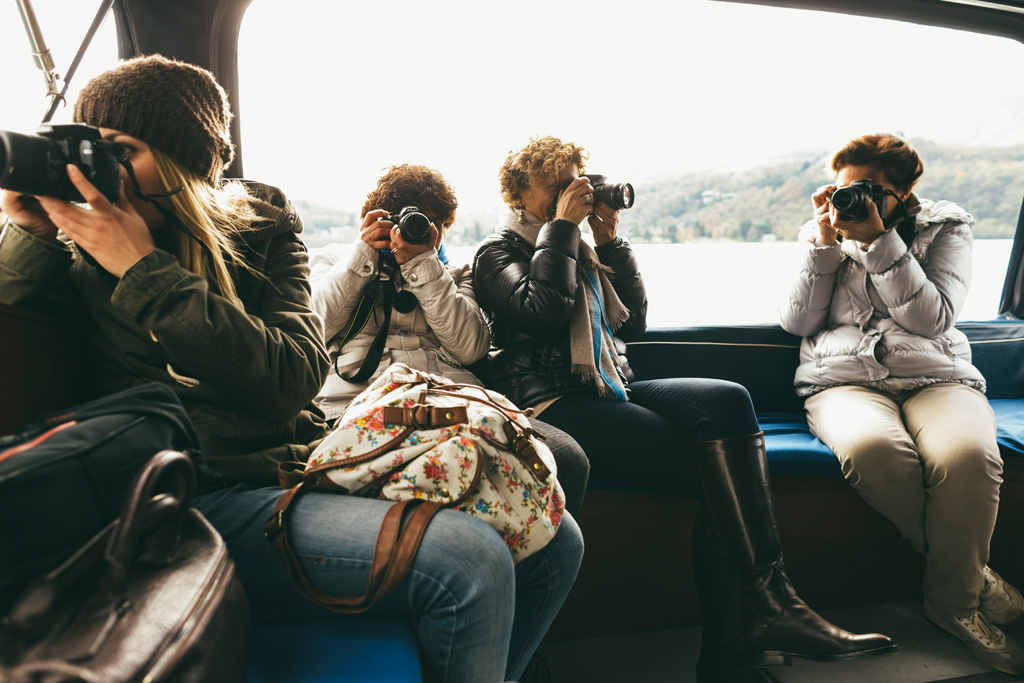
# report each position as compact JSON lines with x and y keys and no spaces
{"x":65,"y":475}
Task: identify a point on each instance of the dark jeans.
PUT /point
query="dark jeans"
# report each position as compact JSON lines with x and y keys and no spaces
{"x":572,"y":463}
{"x":650,"y":442}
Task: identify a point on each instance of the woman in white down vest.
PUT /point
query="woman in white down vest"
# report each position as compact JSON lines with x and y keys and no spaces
{"x":889,"y":383}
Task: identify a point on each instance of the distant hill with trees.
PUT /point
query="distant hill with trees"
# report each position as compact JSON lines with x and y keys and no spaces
{"x":769,"y":202}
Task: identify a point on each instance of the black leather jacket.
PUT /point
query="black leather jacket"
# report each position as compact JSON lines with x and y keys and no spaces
{"x":528,"y":293}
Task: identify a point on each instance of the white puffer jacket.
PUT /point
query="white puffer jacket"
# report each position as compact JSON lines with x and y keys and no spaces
{"x":445,"y":332}
{"x":885,"y":317}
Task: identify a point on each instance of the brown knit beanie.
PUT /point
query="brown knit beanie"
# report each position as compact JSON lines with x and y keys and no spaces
{"x":172,"y":106}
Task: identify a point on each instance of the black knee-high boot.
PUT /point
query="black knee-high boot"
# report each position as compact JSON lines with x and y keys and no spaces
{"x":776,"y":623}
{"x":723,"y":657}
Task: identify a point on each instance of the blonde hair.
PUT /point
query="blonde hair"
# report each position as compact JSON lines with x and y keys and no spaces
{"x":539,"y":162}
{"x":216,"y":218}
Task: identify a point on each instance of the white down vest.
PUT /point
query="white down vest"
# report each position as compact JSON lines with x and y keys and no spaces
{"x":884,"y":317}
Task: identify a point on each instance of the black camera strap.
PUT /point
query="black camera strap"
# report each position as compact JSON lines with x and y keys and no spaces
{"x":382,"y":291}
{"x":168,"y":215}
{"x":906,"y":226}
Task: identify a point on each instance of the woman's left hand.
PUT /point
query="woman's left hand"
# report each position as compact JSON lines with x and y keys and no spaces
{"x":865,"y":231}
{"x":405,"y":252}
{"x":604,"y":223}
{"x":113,"y":234}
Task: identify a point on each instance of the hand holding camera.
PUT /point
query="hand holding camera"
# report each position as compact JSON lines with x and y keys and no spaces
{"x":822,"y":199}
{"x":405,"y":234}
{"x":575,"y":202}
{"x":27,"y":213}
{"x":604,"y":223}
{"x":856,"y":211}
{"x":35,"y":165}
{"x":113,"y":233}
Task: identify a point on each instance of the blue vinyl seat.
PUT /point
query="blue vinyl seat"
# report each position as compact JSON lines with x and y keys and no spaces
{"x":354,"y":649}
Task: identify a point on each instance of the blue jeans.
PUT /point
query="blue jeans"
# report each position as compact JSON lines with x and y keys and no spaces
{"x":478,"y":618}
{"x":650,"y":442}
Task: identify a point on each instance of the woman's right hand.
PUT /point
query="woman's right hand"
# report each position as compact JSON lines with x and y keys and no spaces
{"x":576,"y":201}
{"x":822,"y":199}
{"x":375,"y":231}
{"x":26,"y":212}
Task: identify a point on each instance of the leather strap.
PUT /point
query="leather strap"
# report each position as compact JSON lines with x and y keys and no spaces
{"x":289,"y":474}
{"x":393,"y":553}
{"x":425,"y":416}
{"x":522,"y":446}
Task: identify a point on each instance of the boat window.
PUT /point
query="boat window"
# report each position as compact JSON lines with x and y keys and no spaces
{"x":63,"y":25}
{"x":721,"y":115}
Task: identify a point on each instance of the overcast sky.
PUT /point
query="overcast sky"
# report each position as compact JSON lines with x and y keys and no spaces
{"x":333,"y":92}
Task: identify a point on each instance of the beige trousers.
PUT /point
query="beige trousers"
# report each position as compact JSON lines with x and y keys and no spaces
{"x":930,"y":464}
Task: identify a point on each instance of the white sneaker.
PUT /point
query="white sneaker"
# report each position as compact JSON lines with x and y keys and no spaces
{"x":983,"y":639}
{"x":1000,"y":602}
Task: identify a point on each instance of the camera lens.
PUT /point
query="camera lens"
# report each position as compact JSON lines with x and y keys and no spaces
{"x":844,"y":199}
{"x":849,"y":202}
{"x":618,"y":197}
{"x":414,"y":226}
{"x":33,"y":165}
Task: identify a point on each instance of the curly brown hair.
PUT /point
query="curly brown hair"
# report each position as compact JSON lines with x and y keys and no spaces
{"x":889,"y":154}
{"x":414,"y":185}
{"x":539,"y":162}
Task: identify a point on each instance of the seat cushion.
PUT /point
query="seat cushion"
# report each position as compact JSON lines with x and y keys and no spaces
{"x":354,"y":648}
{"x":793,"y":450}
{"x":1010,"y":427}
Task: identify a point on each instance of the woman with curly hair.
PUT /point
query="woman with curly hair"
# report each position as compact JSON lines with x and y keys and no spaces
{"x":436,"y":325}
{"x":560,"y":310}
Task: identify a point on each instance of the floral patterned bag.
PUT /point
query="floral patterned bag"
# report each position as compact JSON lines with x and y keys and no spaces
{"x":414,"y":436}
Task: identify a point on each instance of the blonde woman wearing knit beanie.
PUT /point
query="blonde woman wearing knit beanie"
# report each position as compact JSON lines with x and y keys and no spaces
{"x":202,"y":285}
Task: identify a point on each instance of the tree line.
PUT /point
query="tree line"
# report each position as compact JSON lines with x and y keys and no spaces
{"x":769,"y":202}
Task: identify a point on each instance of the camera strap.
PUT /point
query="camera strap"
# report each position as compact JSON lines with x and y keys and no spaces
{"x":381,"y":291}
{"x":906,"y":226}
{"x":168,"y":215}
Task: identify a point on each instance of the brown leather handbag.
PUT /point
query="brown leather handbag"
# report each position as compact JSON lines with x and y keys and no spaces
{"x":153,"y":597}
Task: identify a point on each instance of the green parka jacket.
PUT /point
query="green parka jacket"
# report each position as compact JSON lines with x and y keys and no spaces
{"x":247,"y":378}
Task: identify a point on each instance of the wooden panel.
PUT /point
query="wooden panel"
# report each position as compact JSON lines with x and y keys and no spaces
{"x":636,"y":572}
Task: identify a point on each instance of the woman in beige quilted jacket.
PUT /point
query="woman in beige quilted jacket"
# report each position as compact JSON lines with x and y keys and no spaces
{"x":889,"y":382}
{"x":436,"y":324}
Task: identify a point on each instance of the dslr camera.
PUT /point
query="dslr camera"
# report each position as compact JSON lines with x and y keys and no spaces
{"x":616,"y":195}
{"x":849,"y":201}
{"x":414,"y":226}
{"x":36,"y":164}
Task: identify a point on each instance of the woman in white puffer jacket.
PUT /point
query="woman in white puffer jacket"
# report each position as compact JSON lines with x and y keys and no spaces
{"x":889,"y":383}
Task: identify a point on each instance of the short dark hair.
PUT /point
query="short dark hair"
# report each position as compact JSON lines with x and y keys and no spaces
{"x":889,"y":154}
{"x":414,"y":185}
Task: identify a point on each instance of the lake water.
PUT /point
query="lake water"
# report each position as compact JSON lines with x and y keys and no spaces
{"x":742,"y":283}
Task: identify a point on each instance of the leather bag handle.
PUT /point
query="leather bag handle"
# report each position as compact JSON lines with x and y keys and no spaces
{"x":148,"y":529}
{"x":393,"y":553}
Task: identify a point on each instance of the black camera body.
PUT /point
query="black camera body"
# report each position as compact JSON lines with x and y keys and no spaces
{"x":414,"y":226}
{"x":849,"y":201}
{"x":616,"y":195}
{"x":37,"y":164}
